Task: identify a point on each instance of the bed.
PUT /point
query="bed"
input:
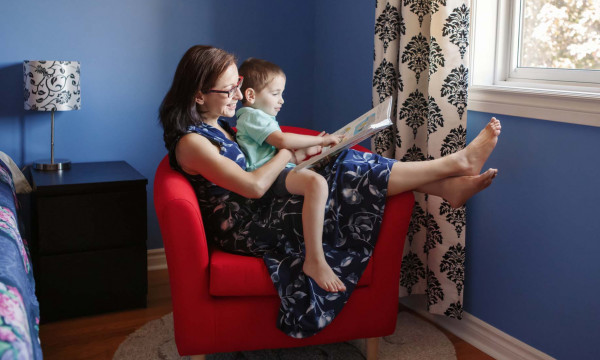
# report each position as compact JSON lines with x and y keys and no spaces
{"x":19,"y":308}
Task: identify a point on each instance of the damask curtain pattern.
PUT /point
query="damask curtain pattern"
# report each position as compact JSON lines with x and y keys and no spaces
{"x":421,"y":59}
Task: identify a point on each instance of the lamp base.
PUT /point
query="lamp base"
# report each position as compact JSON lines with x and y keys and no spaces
{"x":48,"y":165}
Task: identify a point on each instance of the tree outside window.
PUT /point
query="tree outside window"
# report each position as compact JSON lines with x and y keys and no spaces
{"x":563,"y":34}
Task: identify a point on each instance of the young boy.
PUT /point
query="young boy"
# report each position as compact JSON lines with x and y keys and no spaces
{"x":259,"y":136}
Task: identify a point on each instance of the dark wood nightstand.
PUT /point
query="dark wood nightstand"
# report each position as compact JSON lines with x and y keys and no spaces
{"x":89,"y":239}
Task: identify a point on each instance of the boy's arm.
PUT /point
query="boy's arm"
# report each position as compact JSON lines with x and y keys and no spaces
{"x":283,"y":140}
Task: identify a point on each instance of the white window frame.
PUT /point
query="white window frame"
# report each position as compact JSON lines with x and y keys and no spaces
{"x":498,"y":86}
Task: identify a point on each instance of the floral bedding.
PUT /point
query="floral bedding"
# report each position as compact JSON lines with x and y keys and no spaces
{"x":19,"y":308}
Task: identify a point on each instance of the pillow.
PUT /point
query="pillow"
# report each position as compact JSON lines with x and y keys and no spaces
{"x":21,"y":184}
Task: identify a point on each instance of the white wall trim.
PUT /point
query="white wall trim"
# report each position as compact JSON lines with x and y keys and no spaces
{"x":157,"y":259}
{"x":478,"y":333}
{"x":544,"y":105}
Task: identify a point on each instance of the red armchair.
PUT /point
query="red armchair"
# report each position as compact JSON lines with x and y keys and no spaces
{"x":224,"y":302}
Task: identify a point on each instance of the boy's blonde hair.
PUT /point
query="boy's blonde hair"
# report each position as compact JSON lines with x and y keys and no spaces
{"x":257,"y":74}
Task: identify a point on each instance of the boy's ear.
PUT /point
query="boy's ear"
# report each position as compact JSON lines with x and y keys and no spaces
{"x":199,"y":98}
{"x":250,"y":95}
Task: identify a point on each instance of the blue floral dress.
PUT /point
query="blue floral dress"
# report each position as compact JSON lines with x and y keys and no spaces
{"x":271,"y":228}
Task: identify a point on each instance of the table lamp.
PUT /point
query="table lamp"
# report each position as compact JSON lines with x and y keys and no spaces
{"x":51,"y":86}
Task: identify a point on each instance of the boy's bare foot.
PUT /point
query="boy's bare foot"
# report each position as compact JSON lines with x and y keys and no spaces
{"x":460,"y":189}
{"x":477,"y":152}
{"x":323,"y":275}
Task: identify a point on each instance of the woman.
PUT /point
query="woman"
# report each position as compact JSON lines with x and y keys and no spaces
{"x":238,"y":218}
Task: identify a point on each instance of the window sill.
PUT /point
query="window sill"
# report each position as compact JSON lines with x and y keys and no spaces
{"x":581,"y":108}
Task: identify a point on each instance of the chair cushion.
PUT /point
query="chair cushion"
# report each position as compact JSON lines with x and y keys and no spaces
{"x":238,"y":275}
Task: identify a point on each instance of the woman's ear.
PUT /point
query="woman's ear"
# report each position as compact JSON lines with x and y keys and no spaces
{"x":199,"y":98}
{"x":250,"y":95}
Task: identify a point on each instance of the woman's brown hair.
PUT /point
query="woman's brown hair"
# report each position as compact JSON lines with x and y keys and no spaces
{"x":198,"y":70}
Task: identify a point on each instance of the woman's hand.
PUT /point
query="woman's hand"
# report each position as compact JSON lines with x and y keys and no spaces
{"x":299,"y":156}
{"x":313,"y":150}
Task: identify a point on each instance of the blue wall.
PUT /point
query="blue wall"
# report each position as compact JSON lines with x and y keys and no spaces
{"x":128,"y":52}
{"x":532,"y":237}
{"x":278,"y":31}
{"x":343,"y":62}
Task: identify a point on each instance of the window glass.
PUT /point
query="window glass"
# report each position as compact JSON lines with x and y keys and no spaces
{"x":562,"y":34}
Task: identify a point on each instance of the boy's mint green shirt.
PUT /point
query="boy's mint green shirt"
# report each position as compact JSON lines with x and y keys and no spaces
{"x":253,"y":127}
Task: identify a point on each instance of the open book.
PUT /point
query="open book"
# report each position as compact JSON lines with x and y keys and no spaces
{"x":358,"y":130}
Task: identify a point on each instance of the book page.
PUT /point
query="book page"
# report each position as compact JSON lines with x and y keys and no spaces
{"x":354,"y":132}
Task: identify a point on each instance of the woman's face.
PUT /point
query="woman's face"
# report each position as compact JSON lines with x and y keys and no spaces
{"x":214,"y":105}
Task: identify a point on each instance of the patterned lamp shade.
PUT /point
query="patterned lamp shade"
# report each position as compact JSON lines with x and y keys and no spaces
{"x":51,"y":85}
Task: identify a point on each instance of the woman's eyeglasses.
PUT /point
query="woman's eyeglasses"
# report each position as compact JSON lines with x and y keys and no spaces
{"x":229,"y":92}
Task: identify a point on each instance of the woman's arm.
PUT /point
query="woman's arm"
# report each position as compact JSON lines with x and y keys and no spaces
{"x":283,"y":140}
{"x":197,"y":155}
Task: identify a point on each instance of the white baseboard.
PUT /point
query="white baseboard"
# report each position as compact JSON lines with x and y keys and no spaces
{"x":157,"y":259}
{"x":478,"y":333}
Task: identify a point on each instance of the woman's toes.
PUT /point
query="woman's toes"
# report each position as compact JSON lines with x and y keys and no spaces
{"x":496,"y":126}
{"x":490,"y":173}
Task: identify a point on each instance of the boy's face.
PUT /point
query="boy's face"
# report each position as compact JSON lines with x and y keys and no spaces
{"x":270,"y":99}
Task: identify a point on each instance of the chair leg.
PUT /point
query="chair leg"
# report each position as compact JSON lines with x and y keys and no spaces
{"x":372,"y":348}
{"x":198,"y":357}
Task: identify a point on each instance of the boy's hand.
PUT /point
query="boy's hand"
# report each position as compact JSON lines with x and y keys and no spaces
{"x":330,"y":140}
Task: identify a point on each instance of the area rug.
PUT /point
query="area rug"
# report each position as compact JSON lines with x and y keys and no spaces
{"x":414,"y":339}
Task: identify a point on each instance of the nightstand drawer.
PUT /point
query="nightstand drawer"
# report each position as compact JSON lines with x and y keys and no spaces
{"x":91,"y":282}
{"x":91,"y":221}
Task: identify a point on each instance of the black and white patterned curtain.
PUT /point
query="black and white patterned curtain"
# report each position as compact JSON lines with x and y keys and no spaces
{"x":421,"y":59}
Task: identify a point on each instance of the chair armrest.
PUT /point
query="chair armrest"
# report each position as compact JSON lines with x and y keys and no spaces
{"x":387,"y":257}
{"x":187,"y":252}
{"x":392,"y":234}
{"x":178,"y":215}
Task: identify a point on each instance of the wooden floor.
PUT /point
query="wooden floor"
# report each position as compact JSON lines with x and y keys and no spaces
{"x":98,"y":337}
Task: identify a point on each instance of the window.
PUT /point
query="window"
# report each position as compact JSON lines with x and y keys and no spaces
{"x":539,"y":57}
{"x":557,"y":40}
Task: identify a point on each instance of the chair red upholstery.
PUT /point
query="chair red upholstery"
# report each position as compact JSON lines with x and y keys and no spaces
{"x":224,"y":302}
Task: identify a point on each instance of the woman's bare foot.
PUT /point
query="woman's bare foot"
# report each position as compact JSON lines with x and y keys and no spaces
{"x":323,"y":275}
{"x":458,"y":190}
{"x":477,"y":152}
